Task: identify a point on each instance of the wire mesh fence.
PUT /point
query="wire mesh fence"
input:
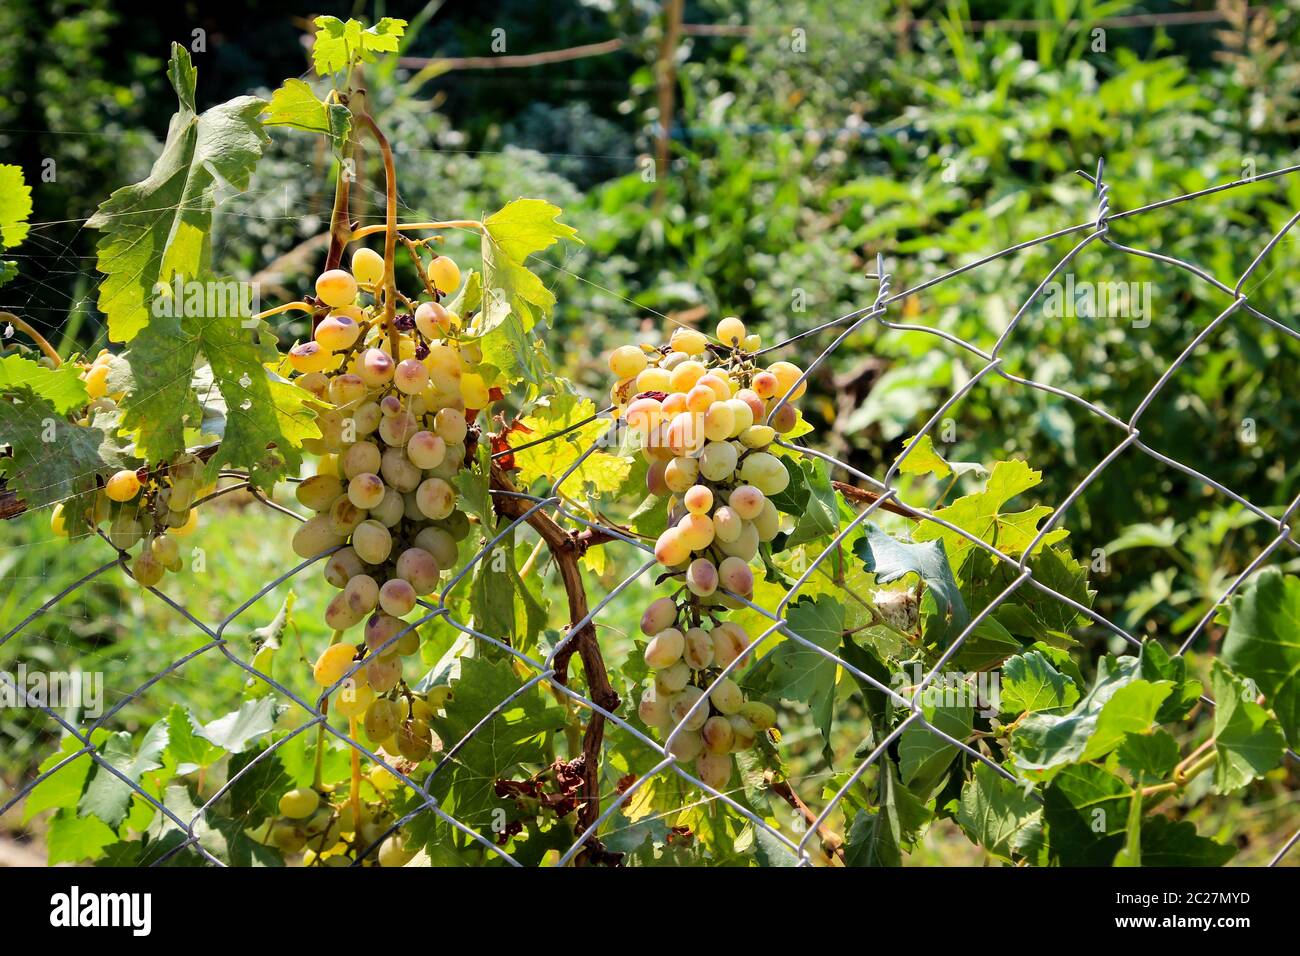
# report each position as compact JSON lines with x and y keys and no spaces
{"x":550,"y":671}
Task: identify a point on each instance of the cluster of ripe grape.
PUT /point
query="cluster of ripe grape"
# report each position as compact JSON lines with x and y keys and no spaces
{"x":324,"y":826}
{"x":705,"y":414}
{"x":401,"y":398}
{"x":687,"y":661}
{"x":150,"y":506}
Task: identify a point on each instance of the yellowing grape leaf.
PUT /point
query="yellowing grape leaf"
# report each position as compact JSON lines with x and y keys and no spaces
{"x":295,"y":104}
{"x":15,"y":206}
{"x":512,"y":234}
{"x":981,"y":514}
{"x":923,"y":459}
{"x":601,"y":472}
{"x":158,"y":228}
{"x":339,"y":44}
{"x":801,"y":427}
{"x":510,"y":354}
{"x":525,"y":226}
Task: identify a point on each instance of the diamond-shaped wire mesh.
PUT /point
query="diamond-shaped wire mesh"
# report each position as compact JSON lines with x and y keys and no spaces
{"x":552,"y":670}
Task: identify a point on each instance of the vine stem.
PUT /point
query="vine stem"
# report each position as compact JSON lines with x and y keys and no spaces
{"x":830,"y":838}
{"x":364,"y":231}
{"x":35,"y":336}
{"x":287,"y":307}
{"x":1182,"y":776}
{"x":389,"y":230}
{"x":419,"y":264}
{"x":862,"y":496}
{"x":318,"y":778}
{"x":356,"y":774}
{"x":566,"y":548}
{"x":340,"y":221}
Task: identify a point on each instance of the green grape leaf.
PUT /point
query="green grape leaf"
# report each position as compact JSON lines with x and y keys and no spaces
{"x":61,"y":789}
{"x":185,"y":748}
{"x":1118,"y":703}
{"x":1167,"y":842}
{"x":1086,"y":809}
{"x":600,"y":472}
{"x":474,"y":488}
{"x":295,"y":104}
{"x":793,"y":671}
{"x":161,"y":404}
{"x":998,"y":815}
{"x":338,"y":45}
{"x":1153,"y":754}
{"x":107,"y":795}
{"x":525,"y":226}
{"x":73,"y":839}
{"x":515,"y":736}
{"x":267,"y":417}
{"x":1030,"y":684}
{"x":1157,"y":665}
{"x":819,"y":517}
{"x":15,"y":205}
{"x":262,"y":419}
{"x":1263,"y":644}
{"x":628,"y":835}
{"x":223,"y":837}
{"x":470,"y":297}
{"x":8,"y":271}
{"x":988,"y":645}
{"x":61,"y":386}
{"x":869,"y":663}
{"x":255,"y":795}
{"x":504,"y":606}
{"x":878,"y":837}
{"x":298,"y":756}
{"x":1061,"y":660}
{"x":1028,"y":612}
{"x":510,"y":353}
{"x":891,"y":559}
{"x":923,"y":460}
{"x":650,"y":517}
{"x":923,"y":756}
{"x":794,"y":496}
{"x":514,"y":354}
{"x":769,"y":851}
{"x":235,"y":731}
{"x":981,"y":515}
{"x":52,"y":459}
{"x":1132,"y":710}
{"x":159,"y":228}
{"x":1249,"y":743}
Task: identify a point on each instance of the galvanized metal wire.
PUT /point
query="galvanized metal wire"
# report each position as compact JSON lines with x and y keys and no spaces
{"x":543,"y":672}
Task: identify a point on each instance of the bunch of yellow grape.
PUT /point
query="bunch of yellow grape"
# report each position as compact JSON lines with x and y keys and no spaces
{"x":702,"y":416}
{"x":396,"y":405}
{"x":323,"y":822}
{"x":151,"y":508}
{"x":706,"y":414}
{"x":687,"y":662}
